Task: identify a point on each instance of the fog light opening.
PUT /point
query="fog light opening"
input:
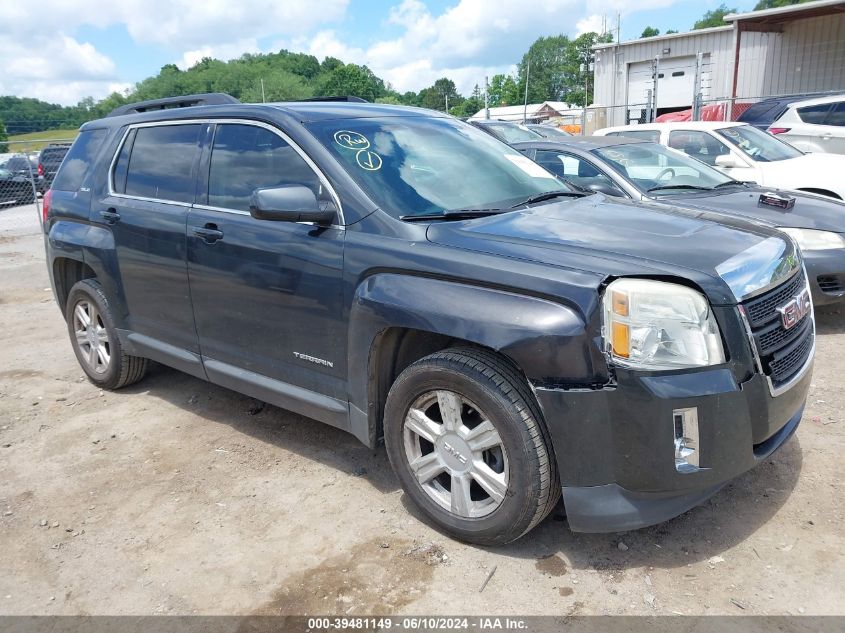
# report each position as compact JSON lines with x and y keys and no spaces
{"x":686,"y":440}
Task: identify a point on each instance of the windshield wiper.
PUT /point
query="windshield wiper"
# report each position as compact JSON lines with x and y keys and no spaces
{"x":451,"y":214}
{"x":665,"y":187}
{"x":549,"y":195}
{"x":729,"y":182}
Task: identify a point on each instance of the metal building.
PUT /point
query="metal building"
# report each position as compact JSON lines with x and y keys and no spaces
{"x":788,"y":50}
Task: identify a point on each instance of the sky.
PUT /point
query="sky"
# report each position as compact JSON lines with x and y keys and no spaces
{"x":64,"y":50}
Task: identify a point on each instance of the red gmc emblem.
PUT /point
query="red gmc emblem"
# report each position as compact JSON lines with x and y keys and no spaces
{"x":795,"y":310}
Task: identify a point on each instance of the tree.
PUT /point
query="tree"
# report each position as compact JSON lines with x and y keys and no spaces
{"x":503,"y":91}
{"x":3,"y":137}
{"x":716,"y":17}
{"x":773,"y":4}
{"x":434,"y":97}
{"x":650,"y":31}
{"x":670,"y":31}
{"x":355,"y":81}
{"x":549,"y":69}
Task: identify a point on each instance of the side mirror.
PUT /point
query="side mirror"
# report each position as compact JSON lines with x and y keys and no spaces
{"x":289,"y":203}
{"x":726,"y":161}
{"x":606,"y":189}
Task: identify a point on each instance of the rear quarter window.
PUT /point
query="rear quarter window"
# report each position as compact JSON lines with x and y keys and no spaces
{"x":815,"y":113}
{"x":78,"y":160}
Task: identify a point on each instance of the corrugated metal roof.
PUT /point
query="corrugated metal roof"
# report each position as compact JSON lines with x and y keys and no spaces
{"x":805,"y":7}
{"x":670,"y":36}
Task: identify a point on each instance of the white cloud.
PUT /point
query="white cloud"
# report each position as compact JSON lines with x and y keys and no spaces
{"x":40,"y":57}
{"x":591,"y":23}
{"x":225,"y":51}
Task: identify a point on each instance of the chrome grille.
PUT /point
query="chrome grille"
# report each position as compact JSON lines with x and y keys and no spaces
{"x":782,"y":352}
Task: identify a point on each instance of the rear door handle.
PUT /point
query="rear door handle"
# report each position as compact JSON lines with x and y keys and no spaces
{"x":209,"y":233}
{"x":110,"y":216}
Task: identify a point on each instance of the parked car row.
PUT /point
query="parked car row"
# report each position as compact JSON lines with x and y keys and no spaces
{"x":812,"y":124}
{"x":24,"y":176}
{"x":512,"y":331}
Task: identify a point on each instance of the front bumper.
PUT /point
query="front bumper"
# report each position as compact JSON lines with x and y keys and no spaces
{"x":615,"y":446}
{"x":826,"y":273}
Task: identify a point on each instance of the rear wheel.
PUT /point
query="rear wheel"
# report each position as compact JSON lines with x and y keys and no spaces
{"x":95,"y":341}
{"x":465,"y":437}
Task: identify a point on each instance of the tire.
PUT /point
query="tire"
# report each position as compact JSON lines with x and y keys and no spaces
{"x":98,"y":348}
{"x":512,"y":476}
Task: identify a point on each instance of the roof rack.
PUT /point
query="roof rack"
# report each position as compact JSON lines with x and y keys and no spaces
{"x":348,"y":98}
{"x":210,"y":98}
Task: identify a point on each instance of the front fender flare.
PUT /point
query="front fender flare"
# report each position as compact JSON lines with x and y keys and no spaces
{"x":549,"y":341}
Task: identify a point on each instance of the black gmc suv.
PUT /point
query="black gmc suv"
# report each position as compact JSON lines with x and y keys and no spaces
{"x":406,"y":277}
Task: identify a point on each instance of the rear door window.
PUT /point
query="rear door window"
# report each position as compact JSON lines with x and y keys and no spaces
{"x":161,"y":162}
{"x":815,"y":113}
{"x":699,"y":145}
{"x":247,"y":157}
{"x":837,"y":115}
{"x":79,"y":160}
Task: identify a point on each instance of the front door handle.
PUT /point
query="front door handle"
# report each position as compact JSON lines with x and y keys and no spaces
{"x":209,"y":233}
{"x":110,"y":216}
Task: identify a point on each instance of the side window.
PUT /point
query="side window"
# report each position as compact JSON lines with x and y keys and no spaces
{"x":814,"y":114}
{"x":161,"y":162}
{"x":837,"y":115}
{"x":699,"y":145}
{"x":121,"y":166}
{"x":572,"y":168}
{"x":78,"y":160}
{"x":245,"y":158}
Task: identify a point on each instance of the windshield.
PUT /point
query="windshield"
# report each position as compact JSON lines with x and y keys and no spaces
{"x":512,"y":132}
{"x":758,"y":145}
{"x":652,"y":168}
{"x":417,"y":165}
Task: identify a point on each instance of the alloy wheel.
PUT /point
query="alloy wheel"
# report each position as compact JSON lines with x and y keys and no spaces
{"x":456,"y":454}
{"x":92,"y":340}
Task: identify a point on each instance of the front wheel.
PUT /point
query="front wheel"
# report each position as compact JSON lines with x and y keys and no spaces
{"x":95,"y":341}
{"x":466,"y":439}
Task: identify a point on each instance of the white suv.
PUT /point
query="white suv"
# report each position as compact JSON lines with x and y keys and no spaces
{"x":814,"y":125}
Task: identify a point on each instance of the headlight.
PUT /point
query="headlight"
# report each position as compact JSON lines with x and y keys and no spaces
{"x":658,"y":325}
{"x":812,"y":240}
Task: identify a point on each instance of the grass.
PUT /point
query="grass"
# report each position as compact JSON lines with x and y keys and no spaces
{"x":34,"y":141}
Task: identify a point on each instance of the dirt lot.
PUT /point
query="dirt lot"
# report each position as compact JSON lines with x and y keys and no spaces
{"x":175,"y":496}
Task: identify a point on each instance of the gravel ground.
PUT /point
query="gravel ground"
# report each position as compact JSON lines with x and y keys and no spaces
{"x":175,"y":496}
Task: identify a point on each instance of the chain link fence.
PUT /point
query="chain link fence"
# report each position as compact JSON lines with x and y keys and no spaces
{"x":27,"y":169}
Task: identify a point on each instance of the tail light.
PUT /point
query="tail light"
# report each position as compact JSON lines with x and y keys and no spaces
{"x":779,"y":130}
{"x":45,"y":207}
{"x":40,"y":169}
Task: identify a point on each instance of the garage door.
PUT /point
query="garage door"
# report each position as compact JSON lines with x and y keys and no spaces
{"x":676,"y":80}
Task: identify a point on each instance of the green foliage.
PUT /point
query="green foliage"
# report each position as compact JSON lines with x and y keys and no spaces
{"x":434,"y":97}
{"x":503,"y":91}
{"x":670,"y":31}
{"x":650,"y":31}
{"x":715,"y":17}
{"x":773,"y":4}
{"x":3,"y":137}
{"x":354,"y":81}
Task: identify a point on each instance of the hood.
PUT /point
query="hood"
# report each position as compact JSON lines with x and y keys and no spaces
{"x":809,"y":170}
{"x":809,"y":212}
{"x":613,"y":237}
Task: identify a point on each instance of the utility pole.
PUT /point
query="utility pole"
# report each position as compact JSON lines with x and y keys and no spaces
{"x":586,"y":67}
{"x":656,"y":69}
{"x":486,"y":98}
{"x":447,"y":103}
{"x":263,"y":100}
{"x":525,"y":105}
{"x":696,"y":91}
